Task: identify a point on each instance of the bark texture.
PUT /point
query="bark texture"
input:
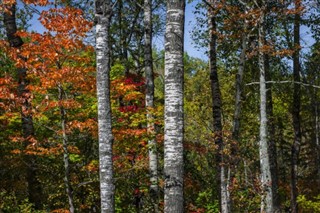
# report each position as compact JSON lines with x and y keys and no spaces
{"x":266,"y":179}
{"x":239,"y":88}
{"x":153,"y":160}
{"x":224,"y":197}
{"x":317,"y":139}
{"x":271,"y":138}
{"x":295,"y":149}
{"x":67,"y":183}
{"x":34,"y":187}
{"x":107,"y":188}
{"x":174,"y":127}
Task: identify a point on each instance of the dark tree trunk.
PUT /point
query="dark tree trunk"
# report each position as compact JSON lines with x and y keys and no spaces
{"x":295,"y":149}
{"x":217,"y":114}
{"x":34,"y":187}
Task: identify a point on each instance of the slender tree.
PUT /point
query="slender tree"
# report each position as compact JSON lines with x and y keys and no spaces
{"x":107,"y":188}
{"x":295,"y":149}
{"x":153,"y":160}
{"x":174,"y":127}
{"x":239,"y":88}
{"x":65,"y":143}
{"x":271,"y":137}
{"x":217,"y":112}
{"x":238,"y":99}
{"x":266,"y":179}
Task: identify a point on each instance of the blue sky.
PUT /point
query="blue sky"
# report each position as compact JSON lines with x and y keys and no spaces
{"x":189,"y":46}
{"x":189,"y":24}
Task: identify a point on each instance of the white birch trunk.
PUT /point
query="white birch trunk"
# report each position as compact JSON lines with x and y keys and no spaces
{"x":266,"y":181}
{"x":107,"y":188}
{"x":152,"y":145}
{"x":174,"y":126}
{"x":225,"y":194}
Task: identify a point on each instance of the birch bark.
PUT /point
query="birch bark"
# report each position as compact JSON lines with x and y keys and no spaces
{"x":174,"y":127}
{"x":103,"y":16}
{"x":153,"y":160}
{"x":266,"y":181}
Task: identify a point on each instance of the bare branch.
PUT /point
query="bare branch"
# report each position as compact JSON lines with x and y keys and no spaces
{"x":208,"y":4}
{"x":286,"y":82}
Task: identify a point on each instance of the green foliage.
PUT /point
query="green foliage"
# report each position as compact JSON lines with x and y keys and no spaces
{"x":117,"y":70}
{"x":9,"y":203}
{"x":204,"y":200}
{"x":307,"y":205}
{"x":6,"y":65}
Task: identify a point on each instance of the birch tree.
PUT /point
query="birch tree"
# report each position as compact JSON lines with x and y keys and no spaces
{"x":103,"y":16}
{"x":174,"y":127}
{"x":266,"y":180}
{"x":153,"y":161}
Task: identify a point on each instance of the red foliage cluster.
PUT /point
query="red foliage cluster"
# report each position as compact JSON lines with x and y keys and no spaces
{"x":130,"y":108}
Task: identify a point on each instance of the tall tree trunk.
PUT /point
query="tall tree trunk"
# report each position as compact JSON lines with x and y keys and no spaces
{"x":237,"y":106}
{"x":295,"y":149}
{"x":224,"y":200}
{"x":107,"y":188}
{"x":266,"y":179}
{"x":317,"y":128}
{"x":67,"y":183}
{"x":153,"y":160}
{"x":123,"y":39}
{"x":271,"y":138}
{"x":174,"y":122}
{"x":239,"y":86}
{"x":34,"y":187}
{"x":314,"y":105}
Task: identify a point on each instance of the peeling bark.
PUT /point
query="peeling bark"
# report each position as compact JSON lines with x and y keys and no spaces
{"x":107,"y":188}
{"x":174,"y":122}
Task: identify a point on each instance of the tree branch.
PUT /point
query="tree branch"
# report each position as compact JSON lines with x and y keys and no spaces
{"x":285,"y":82}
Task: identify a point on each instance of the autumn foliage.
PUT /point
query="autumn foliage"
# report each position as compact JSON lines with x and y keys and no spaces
{"x":60,"y":65}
